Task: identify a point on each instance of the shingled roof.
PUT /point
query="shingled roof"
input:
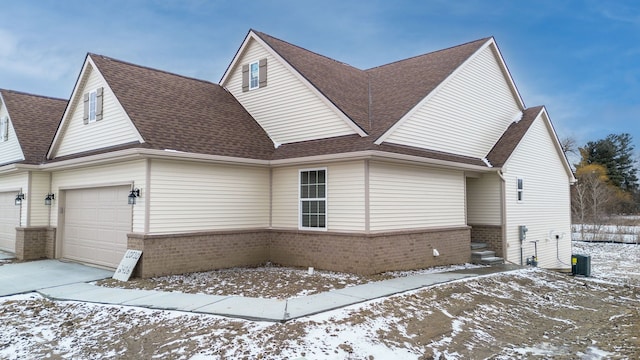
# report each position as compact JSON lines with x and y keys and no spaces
{"x":510,"y":139}
{"x":377,"y":98}
{"x":35,"y":119}
{"x":183,"y":114}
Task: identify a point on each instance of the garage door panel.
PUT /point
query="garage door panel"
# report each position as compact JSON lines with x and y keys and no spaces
{"x":9,"y":221}
{"x":96,"y":225}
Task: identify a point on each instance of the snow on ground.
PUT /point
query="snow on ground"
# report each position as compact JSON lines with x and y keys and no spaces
{"x":612,"y":233}
{"x":528,"y":313}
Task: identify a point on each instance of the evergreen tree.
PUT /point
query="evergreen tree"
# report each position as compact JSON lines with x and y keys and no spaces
{"x":615,"y":153}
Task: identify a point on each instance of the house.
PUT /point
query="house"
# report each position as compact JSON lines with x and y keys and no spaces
{"x":27,"y":125}
{"x":302,"y":160}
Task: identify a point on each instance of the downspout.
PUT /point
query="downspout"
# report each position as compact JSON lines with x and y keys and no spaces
{"x":503,"y":200}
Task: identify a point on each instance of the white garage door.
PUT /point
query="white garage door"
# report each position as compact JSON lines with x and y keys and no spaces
{"x":9,"y":220}
{"x":96,"y":223}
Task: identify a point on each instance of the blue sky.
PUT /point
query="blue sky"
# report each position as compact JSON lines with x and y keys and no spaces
{"x":579,"y":58}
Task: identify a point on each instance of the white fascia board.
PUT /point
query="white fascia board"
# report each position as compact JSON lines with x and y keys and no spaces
{"x":544,"y":116}
{"x":507,"y":74}
{"x":76,"y":96}
{"x":292,"y":70}
{"x":11,"y":168}
{"x":140,"y":153}
{"x":379,"y":155}
{"x":67,"y":111}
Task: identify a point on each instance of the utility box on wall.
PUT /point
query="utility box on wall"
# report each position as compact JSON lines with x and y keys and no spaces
{"x":581,"y":265}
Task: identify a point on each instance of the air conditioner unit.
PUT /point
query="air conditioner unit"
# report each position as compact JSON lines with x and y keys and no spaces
{"x":581,"y":265}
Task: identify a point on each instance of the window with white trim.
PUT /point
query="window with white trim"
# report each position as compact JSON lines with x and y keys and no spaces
{"x":93,"y":106}
{"x":93,"y":101}
{"x":520,"y":189}
{"x":313,"y":199}
{"x":254,"y":75}
{"x":4,"y":128}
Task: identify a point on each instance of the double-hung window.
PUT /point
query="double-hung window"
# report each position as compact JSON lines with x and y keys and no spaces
{"x":313,"y":199}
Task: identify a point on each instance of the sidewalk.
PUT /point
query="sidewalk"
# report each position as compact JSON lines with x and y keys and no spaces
{"x":257,"y":308}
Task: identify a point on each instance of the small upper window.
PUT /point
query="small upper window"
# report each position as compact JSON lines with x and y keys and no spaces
{"x":93,"y":105}
{"x":93,"y":100}
{"x":254,"y":75}
{"x":520,"y":189}
{"x":4,"y":128}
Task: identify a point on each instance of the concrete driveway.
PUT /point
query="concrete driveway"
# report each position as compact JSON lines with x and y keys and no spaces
{"x":18,"y":278}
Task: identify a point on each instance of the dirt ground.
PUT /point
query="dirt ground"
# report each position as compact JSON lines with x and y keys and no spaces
{"x":529,"y":313}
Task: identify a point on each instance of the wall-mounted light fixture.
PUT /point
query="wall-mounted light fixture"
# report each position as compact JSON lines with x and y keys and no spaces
{"x":133,"y":195}
{"x":19,"y":198}
{"x":50,"y":197}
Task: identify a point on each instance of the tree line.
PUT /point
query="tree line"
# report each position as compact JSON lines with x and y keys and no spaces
{"x":607,"y":181}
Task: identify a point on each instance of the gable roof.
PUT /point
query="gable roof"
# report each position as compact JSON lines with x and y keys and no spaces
{"x":344,"y":85}
{"x":174,"y":112}
{"x":377,"y":98}
{"x":508,"y":142}
{"x":398,"y":87}
{"x":35,"y":119}
{"x":510,"y":139}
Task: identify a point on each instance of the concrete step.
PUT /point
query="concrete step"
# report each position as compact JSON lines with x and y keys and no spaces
{"x":477,"y":255}
{"x":478,"y":245}
{"x":494,"y":260}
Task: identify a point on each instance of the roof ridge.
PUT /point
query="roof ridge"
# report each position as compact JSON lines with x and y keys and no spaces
{"x":152,"y":69}
{"x":431,"y":53}
{"x":34,"y":95}
{"x":260,"y":33}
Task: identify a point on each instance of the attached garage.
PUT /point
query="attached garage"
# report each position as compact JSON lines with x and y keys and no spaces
{"x":9,"y":221}
{"x":95,"y":225}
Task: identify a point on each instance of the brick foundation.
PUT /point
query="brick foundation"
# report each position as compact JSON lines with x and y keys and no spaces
{"x":354,"y":253}
{"x":489,"y":234}
{"x":35,"y":243}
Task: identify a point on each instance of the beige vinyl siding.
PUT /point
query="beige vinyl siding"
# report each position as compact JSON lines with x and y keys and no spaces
{"x":467,"y":115}
{"x":133,"y":172}
{"x":345,"y":196}
{"x":286,"y":108}
{"x":545,"y":208}
{"x":40,"y":182}
{"x":10,"y":150}
{"x":15,"y":183}
{"x":195,"y":196}
{"x":115,"y":128}
{"x":284,"y":213}
{"x":484,"y":200}
{"x":411,"y":197}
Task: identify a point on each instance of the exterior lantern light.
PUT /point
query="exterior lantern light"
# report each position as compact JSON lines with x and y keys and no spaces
{"x":133,"y":194}
{"x":19,"y":199}
{"x":49,"y":198}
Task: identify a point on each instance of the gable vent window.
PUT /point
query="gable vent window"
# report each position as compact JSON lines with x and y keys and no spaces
{"x":254,"y":75}
{"x":93,"y":106}
{"x":4,"y":128}
{"x":520,"y":189}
